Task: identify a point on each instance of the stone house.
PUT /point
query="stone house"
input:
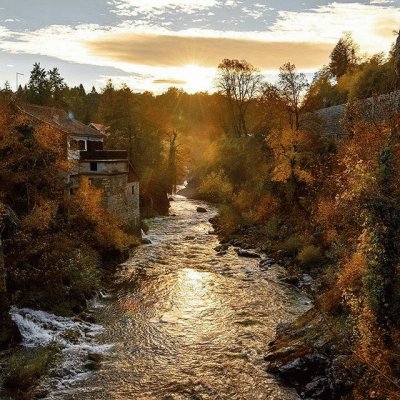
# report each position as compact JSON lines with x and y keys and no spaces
{"x":109,"y":170}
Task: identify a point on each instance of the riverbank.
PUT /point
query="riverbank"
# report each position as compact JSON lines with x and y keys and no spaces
{"x":313,"y":353}
{"x":47,"y":344}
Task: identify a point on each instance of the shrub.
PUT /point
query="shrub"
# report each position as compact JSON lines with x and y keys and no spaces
{"x":145,"y":226}
{"x":83,"y":273}
{"x":229,"y":219}
{"x":271,"y":228}
{"x":293,"y":244}
{"x":216,"y":188}
{"x":26,"y":366}
{"x":310,"y":255}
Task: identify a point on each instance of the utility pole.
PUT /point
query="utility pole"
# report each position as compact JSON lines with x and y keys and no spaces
{"x":16,"y":76}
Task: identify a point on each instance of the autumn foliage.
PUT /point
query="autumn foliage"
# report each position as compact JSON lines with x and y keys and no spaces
{"x":54,"y":249}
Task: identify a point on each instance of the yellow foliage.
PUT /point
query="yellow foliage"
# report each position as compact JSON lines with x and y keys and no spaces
{"x":49,"y":138}
{"x":41,"y":216}
{"x":351,"y":271}
{"x":216,"y":187}
{"x":289,"y":149}
{"x":266,"y":207}
{"x":243,"y":201}
{"x":108,"y":230}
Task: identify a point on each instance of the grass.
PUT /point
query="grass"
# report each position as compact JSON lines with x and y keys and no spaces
{"x":27,"y":366}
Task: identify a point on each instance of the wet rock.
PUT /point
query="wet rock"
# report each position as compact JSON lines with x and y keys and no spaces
{"x":266,"y":263}
{"x":246,"y":253}
{"x":201,"y":210}
{"x":222,"y":253}
{"x":291,"y":280}
{"x":190,"y":237}
{"x":95,"y":357}
{"x":318,"y":388}
{"x":221,"y":247}
{"x":172,"y":215}
{"x":283,"y":352}
{"x":92,"y":366}
{"x":282,"y":327}
{"x":300,"y":370}
{"x":41,"y":393}
{"x":146,"y":241}
{"x":171,"y":199}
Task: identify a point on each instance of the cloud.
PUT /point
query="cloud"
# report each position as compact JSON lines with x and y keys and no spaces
{"x":171,"y":82}
{"x":157,"y":7}
{"x":173,"y":50}
{"x":142,"y":46}
{"x":381,"y":1}
{"x":371,"y":25}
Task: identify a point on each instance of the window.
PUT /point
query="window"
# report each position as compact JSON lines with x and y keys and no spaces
{"x":82,"y":145}
{"x":73,"y":145}
{"x":93,"y":166}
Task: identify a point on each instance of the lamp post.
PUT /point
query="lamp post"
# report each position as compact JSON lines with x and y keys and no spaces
{"x":16,"y":76}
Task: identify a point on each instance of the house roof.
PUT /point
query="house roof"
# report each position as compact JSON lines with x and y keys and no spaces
{"x":99,"y":127}
{"x":59,"y":119}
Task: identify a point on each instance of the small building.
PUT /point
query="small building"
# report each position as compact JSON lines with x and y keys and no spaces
{"x":109,"y":170}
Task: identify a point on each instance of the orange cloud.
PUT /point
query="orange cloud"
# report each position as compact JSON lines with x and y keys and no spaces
{"x":170,"y":50}
{"x":171,"y":82}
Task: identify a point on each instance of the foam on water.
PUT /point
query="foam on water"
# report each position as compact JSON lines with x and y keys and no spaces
{"x":75,"y":337}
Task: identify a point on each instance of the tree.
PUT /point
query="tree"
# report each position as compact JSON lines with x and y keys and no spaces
{"x":343,"y":56}
{"x":240,"y":82}
{"x":38,"y":86}
{"x":56,"y":85}
{"x":292,"y":86}
{"x":7,"y":87}
{"x":323,"y":92}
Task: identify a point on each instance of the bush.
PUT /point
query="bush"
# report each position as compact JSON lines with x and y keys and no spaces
{"x":293,"y":245}
{"x":271,"y":228}
{"x":83,"y":273}
{"x":310,"y":255}
{"x":216,"y":188}
{"x":229,"y":219}
{"x":27,"y":366}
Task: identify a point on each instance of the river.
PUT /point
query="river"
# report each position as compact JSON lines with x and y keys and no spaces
{"x":182,"y":322}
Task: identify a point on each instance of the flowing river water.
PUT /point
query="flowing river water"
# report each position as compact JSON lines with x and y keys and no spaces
{"x":181,"y":321}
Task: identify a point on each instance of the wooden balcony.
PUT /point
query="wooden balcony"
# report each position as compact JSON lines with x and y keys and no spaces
{"x":103,"y":155}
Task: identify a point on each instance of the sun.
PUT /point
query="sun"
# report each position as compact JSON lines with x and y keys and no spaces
{"x":197,"y":78}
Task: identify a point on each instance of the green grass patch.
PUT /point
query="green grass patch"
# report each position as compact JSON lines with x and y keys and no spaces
{"x":27,"y":366}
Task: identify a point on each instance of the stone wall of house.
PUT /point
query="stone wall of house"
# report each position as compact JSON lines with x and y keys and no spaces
{"x":103,"y":167}
{"x":120,"y":197}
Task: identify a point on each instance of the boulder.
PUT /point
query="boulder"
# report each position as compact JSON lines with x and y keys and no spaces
{"x":201,"y":210}
{"x":221,"y":247}
{"x":247,"y":253}
{"x":266,"y":263}
{"x":291,"y":280}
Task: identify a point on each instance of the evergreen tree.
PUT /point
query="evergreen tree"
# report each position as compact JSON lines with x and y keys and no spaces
{"x":39,"y":90}
{"x":56,"y":84}
{"x":343,"y":56}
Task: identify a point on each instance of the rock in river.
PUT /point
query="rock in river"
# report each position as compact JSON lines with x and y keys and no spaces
{"x":246,"y":253}
{"x":201,"y":210}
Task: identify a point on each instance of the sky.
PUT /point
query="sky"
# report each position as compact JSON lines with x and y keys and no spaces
{"x":155,"y":44}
